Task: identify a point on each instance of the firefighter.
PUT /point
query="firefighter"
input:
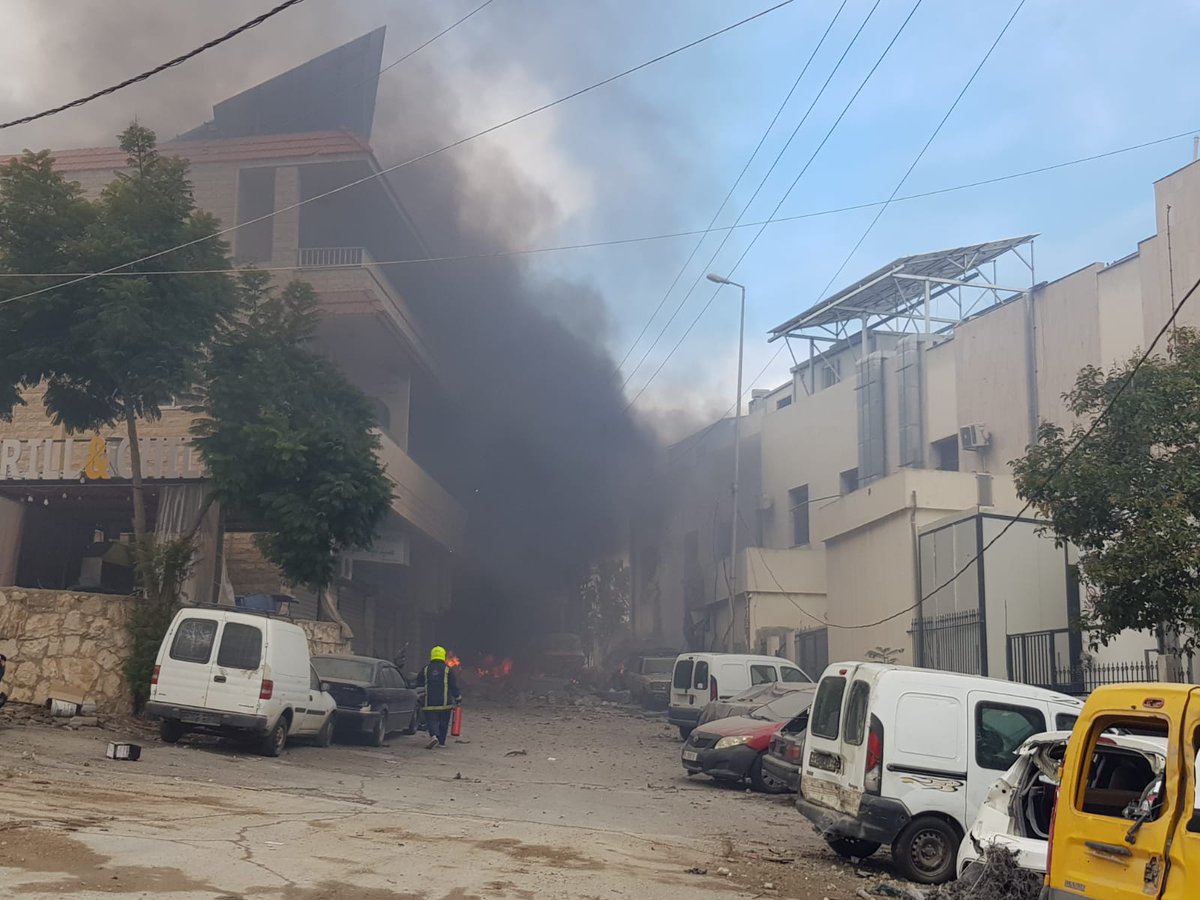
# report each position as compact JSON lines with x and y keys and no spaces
{"x":441,"y":696}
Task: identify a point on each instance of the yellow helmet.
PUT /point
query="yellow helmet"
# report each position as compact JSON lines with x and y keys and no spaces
{"x":438,"y":653}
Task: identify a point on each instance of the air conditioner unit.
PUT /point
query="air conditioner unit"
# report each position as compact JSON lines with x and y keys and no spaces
{"x":766,"y":503}
{"x":983,"y":489}
{"x":973,"y":437}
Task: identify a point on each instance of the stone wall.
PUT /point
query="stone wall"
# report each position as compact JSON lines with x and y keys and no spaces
{"x":56,"y":637}
{"x":81,"y":641}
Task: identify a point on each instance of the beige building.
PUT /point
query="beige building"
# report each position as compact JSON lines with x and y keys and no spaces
{"x":872,"y":478}
{"x":64,"y":499}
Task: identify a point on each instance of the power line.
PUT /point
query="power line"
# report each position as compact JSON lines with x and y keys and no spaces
{"x":746,"y":207}
{"x":458,"y":143}
{"x":639,"y":239}
{"x":783,"y":199}
{"x":440,"y":34}
{"x":178,"y":60}
{"x":708,"y":230}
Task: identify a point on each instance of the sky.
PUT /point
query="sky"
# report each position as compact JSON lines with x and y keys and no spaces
{"x":658,"y":151}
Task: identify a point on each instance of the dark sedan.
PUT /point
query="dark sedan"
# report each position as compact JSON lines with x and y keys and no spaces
{"x":373,"y":698}
{"x":747,"y":701}
{"x":786,"y":750}
{"x":733,"y":749}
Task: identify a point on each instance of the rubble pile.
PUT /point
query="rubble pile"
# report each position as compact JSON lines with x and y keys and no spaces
{"x":999,"y":879}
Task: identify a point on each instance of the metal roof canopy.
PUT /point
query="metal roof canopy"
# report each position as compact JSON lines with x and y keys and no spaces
{"x":904,"y":291}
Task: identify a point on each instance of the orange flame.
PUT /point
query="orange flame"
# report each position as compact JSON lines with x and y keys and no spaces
{"x":489,"y":667}
{"x":453,"y":661}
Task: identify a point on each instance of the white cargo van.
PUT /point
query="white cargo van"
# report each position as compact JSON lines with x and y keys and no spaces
{"x":238,"y":673}
{"x":702,"y":677}
{"x":905,"y":756}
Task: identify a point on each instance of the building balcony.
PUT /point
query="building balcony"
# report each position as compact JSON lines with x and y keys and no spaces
{"x":353,"y":289}
{"x":419,"y":499}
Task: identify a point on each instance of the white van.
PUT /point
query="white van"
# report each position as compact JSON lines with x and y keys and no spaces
{"x":238,"y":673}
{"x":905,"y":757}
{"x":702,"y":677}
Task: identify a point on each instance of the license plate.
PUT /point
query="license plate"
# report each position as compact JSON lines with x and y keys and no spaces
{"x":690,"y":756}
{"x":204,"y":718}
{"x":828,"y":762}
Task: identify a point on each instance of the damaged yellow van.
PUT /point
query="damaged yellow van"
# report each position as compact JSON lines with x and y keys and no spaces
{"x":1119,"y":833}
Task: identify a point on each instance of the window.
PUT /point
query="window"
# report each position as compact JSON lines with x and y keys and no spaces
{"x":798,"y":503}
{"x":945,"y":454}
{"x":700,"y":676}
{"x":314,"y":680}
{"x":391,"y":678}
{"x":783,"y":402}
{"x":256,"y":198}
{"x":1000,"y":730}
{"x":1065,"y":721}
{"x":793,"y":676}
{"x":856,"y":713}
{"x":1122,"y":784}
{"x":194,"y":640}
{"x":241,"y":646}
{"x":683,"y":675}
{"x":827,"y":709}
{"x":831,"y":372}
{"x":849,"y":481}
{"x":762,"y":675}
{"x":1193,"y":825}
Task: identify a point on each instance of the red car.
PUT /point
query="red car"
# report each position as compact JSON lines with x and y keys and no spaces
{"x":732,"y":749}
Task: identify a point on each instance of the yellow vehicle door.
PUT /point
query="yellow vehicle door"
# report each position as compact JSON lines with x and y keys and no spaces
{"x":1183,"y":854}
{"x":1113,"y":820}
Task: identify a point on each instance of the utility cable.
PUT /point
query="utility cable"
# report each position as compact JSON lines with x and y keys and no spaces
{"x":170,"y":64}
{"x":708,"y":230}
{"x":903,"y":25}
{"x":416,"y":159}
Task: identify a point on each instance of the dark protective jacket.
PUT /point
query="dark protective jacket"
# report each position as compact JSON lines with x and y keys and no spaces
{"x":441,"y":685}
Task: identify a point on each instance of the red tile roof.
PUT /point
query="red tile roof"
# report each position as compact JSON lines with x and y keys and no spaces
{"x":264,"y":147}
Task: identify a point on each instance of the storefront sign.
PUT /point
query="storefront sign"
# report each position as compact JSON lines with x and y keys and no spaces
{"x":390,"y":547}
{"x":97,"y":459}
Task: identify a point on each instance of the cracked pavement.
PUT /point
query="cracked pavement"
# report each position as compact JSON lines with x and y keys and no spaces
{"x":598,"y":806}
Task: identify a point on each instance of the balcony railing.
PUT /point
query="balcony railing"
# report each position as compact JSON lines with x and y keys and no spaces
{"x":325,"y":257}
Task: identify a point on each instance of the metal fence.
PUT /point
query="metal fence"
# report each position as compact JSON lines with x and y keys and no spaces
{"x":948,"y":642}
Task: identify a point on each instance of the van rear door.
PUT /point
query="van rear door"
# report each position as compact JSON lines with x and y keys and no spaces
{"x":681,"y":682}
{"x":185,"y":661}
{"x":830,"y":776}
{"x":237,"y":671}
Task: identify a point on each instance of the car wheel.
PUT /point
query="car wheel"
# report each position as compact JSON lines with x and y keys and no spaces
{"x":684,"y":732}
{"x":926,"y":849}
{"x":276,"y":739}
{"x":325,"y":735}
{"x":380,"y":732}
{"x":851,"y":848}
{"x":763,"y":782}
{"x":413,"y":724}
{"x":171,"y":730}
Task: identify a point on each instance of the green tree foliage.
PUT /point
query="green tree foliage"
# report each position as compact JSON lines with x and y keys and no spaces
{"x":111,"y":349}
{"x":286,"y":438}
{"x":1129,"y":496}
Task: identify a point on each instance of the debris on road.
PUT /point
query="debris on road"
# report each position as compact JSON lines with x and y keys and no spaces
{"x":697,"y":870}
{"x":123,"y":751}
{"x":999,"y":879}
{"x":517,"y":753}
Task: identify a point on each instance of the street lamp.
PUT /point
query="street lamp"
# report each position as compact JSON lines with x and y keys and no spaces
{"x":737,"y":448}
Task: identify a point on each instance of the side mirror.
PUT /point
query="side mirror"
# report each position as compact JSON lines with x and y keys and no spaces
{"x":325,"y":686}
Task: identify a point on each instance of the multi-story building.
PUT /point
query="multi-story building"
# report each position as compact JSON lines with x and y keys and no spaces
{"x":65,"y":500}
{"x":871,"y":480}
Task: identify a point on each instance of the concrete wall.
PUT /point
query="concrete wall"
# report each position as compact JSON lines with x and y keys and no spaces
{"x":1067,"y":334}
{"x":1119,"y":305}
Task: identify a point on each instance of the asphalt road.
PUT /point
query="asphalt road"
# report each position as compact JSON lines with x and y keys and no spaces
{"x":537,"y":801}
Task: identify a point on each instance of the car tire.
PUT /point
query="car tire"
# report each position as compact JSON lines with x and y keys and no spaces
{"x":379,"y":732}
{"x":685,"y":732}
{"x":763,"y":782}
{"x":926,"y":850}
{"x":325,"y":735}
{"x":171,"y":730}
{"x":413,"y":724}
{"x":851,"y":848}
{"x":275,"y":739}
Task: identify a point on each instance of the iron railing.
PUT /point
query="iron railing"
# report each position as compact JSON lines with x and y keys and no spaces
{"x":948,"y":642}
{"x":324,"y":257}
{"x":1033,"y":659}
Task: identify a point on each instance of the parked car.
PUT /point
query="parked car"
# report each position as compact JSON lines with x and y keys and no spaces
{"x":732,"y":749}
{"x":650,"y":681}
{"x":239,"y":674}
{"x":1108,"y":841}
{"x":748,"y":701}
{"x":701,"y":677}
{"x":373,"y":697}
{"x":905,"y":757}
{"x":1019,"y":807}
{"x":785,"y":752}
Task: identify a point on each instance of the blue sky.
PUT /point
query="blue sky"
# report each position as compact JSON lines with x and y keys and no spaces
{"x":658,"y":151}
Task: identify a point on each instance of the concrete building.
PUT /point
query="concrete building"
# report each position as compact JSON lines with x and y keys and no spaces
{"x":873,"y":477}
{"x":64,"y":499}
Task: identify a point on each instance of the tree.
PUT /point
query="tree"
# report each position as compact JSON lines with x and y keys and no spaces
{"x":113,"y":349}
{"x":605,"y":599}
{"x":1129,"y":496}
{"x":286,"y":439}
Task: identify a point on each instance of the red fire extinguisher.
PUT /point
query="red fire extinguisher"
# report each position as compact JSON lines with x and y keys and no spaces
{"x":456,"y":722}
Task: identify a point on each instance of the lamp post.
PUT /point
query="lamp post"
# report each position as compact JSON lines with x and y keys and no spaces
{"x":737,"y":455}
